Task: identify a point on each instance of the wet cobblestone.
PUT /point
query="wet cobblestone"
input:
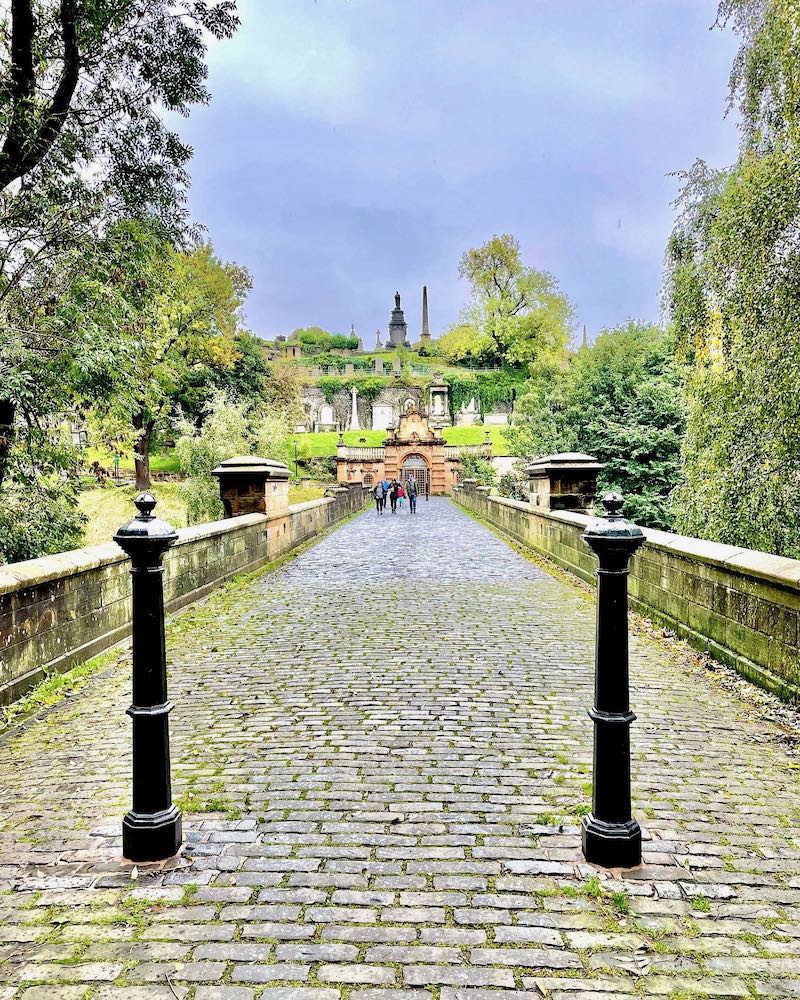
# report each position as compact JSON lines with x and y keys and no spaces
{"x":383,"y":754}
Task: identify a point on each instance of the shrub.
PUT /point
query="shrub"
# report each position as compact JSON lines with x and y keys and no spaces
{"x":476,"y":467}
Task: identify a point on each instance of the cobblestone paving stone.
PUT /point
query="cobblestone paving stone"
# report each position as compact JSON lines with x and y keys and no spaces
{"x":383,"y":753}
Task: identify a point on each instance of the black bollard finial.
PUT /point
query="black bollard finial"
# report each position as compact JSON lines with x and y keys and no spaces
{"x":145,"y":503}
{"x":613,"y":504}
{"x":152,"y":830}
{"x":611,"y":837}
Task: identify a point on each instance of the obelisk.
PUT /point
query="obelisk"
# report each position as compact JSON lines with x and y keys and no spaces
{"x":426,"y":333}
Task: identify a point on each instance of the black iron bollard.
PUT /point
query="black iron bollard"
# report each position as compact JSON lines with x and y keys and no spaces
{"x":611,"y":837}
{"x":151,"y":831}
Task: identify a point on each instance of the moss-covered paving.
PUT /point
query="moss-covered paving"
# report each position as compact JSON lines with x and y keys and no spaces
{"x":383,"y":751}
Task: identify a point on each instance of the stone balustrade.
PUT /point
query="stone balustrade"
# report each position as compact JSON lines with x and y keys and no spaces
{"x":365,"y":454}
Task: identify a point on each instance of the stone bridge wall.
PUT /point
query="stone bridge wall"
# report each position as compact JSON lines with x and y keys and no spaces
{"x":740,"y":606}
{"x":58,"y":611}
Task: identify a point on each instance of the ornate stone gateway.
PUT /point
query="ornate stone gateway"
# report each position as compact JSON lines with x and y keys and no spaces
{"x":415,"y":467}
{"x":413,"y":450}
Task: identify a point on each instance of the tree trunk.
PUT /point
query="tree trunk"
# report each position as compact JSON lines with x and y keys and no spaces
{"x":142,"y":456}
{"x":7,"y":414}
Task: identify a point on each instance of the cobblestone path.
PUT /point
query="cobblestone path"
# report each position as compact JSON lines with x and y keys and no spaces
{"x":383,"y":752}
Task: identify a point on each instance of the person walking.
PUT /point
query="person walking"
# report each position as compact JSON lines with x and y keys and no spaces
{"x":380,"y":497}
{"x":411,"y":490}
{"x":401,"y":495}
{"x":393,"y":495}
{"x":427,"y":489}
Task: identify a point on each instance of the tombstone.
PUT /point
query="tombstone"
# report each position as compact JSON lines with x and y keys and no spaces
{"x":469,"y":413}
{"x":397,"y":365}
{"x":327,"y":419}
{"x":379,"y":366}
{"x":439,"y":391}
{"x":349,"y":368}
{"x":382,"y":416}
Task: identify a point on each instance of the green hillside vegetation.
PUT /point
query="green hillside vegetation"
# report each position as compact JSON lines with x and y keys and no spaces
{"x":321,"y":444}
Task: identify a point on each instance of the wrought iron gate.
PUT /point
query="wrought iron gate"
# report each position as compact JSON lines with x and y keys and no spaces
{"x":415,"y":467}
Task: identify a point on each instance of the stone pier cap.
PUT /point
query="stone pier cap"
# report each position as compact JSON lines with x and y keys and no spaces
{"x":249,"y":484}
{"x":566,"y":481}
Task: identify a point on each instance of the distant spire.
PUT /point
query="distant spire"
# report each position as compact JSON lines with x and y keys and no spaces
{"x":426,"y":333}
{"x":584,"y":339}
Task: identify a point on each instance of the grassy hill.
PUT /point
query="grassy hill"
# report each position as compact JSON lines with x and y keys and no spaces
{"x":323,"y":443}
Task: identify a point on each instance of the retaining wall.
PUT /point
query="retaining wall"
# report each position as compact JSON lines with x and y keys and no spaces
{"x":58,"y":611}
{"x":740,"y":606}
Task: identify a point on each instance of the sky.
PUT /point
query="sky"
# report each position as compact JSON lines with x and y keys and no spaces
{"x":357,"y":147}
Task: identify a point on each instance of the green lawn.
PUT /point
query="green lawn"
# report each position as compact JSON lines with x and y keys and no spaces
{"x":319,"y":444}
{"x":160,"y":462}
{"x":109,"y":507}
{"x":476,"y":435}
{"x":322,"y":443}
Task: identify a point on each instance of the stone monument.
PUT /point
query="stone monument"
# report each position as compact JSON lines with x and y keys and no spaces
{"x":426,"y":333}
{"x":398,"y":328}
{"x":354,"y":424}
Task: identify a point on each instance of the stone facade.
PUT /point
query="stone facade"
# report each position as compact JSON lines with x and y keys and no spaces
{"x":740,"y":606}
{"x":415,"y":449}
{"x":379,"y":413}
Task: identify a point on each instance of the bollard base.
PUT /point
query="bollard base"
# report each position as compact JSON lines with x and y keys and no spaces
{"x":152,"y":836}
{"x":611,"y":845}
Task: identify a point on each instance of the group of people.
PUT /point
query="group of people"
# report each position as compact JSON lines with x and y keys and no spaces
{"x":396,"y":493}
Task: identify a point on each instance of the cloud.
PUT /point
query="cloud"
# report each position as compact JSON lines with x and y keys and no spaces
{"x":635,"y":230}
{"x":295,"y":56}
{"x":358,"y":146}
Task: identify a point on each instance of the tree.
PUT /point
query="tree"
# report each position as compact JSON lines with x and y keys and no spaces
{"x":477,"y":468}
{"x":518,"y":314}
{"x":228,"y":429}
{"x":82,"y":141}
{"x":171,"y":312}
{"x":243,"y":377}
{"x":81,"y":83}
{"x":620,"y":400}
{"x":313,"y":337}
{"x":466,"y":344}
{"x":733,"y":273}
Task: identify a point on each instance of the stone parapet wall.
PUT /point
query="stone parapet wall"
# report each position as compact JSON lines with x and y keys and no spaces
{"x":740,"y":606}
{"x":58,"y":611}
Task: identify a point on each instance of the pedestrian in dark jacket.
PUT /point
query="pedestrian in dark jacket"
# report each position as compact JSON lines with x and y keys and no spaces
{"x":380,"y":497}
{"x":393,"y":491}
{"x":411,"y":493}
